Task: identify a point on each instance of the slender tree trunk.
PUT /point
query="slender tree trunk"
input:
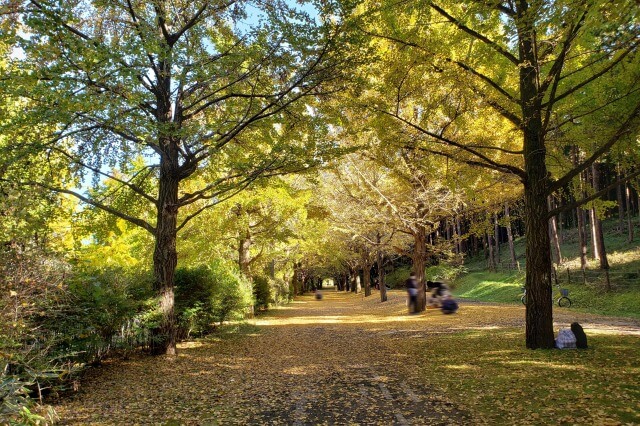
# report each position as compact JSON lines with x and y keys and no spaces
{"x":581,"y":217}
{"x":367,"y":279}
{"x":512,"y":249}
{"x":459,"y":242}
{"x":593,"y":219}
{"x":629,"y":213}
{"x":496,"y":238}
{"x":418,"y":258}
{"x":597,"y":229}
{"x":582,"y":238}
{"x":553,"y":230}
{"x":490,"y":258}
{"x":620,"y":199}
{"x":560,"y":226}
{"x":476,"y":245}
{"x":380,"y":261}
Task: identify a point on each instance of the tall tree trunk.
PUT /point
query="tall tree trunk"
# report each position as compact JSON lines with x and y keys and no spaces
{"x":553,"y":233}
{"x":582,"y":238}
{"x":165,"y":257}
{"x":366,"y":275}
{"x":496,"y":238}
{"x":629,"y":213}
{"x":560,"y":226}
{"x":581,"y":216}
{"x":539,"y":315}
{"x":490,"y":257}
{"x":476,"y":245}
{"x":380,"y":261}
{"x":459,"y":241}
{"x":620,"y":199}
{"x":418,"y":259}
{"x":597,"y":228}
{"x":593,"y":222}
{"x":512,"y":249}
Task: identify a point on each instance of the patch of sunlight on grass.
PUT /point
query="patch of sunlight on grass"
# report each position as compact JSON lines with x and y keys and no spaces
{"x":461,"y":367}
{"x":504,"y":352}
{"x":486,"y":327}
{"x":485,"y":287}
{"x":546,"y":364}
{"x":613,"y":331}
{"x":190,"y":345}
{"x":295,"y":371}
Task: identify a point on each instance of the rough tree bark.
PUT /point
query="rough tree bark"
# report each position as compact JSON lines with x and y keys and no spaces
{"x":165,"y":256}
{"x":539,"y":315}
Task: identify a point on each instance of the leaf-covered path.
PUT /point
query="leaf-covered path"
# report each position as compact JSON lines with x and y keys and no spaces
{"x":343,"y":360}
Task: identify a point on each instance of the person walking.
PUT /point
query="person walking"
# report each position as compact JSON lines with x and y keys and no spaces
{"x":412,"y":291}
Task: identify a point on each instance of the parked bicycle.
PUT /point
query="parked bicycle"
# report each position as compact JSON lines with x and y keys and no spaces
{"x":561,"y":297}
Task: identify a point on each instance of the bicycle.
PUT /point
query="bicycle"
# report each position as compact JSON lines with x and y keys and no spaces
{"x":562,"y":297}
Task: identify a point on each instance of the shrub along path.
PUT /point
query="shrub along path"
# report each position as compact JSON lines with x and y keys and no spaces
{"x":339,"y":361}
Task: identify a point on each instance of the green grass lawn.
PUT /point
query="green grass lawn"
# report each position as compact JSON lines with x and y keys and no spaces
{"x":492,"y":374}
{"x":505,"y":287}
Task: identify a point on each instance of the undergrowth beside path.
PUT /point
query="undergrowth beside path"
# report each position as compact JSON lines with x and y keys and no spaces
{"x":351,"y":360}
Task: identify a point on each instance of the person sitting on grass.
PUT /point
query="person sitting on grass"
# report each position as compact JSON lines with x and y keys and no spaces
{"x":439,"y":291}
{"x":449,"y":305}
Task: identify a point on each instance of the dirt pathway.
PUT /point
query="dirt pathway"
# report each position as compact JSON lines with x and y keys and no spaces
{"x":329,"y":362}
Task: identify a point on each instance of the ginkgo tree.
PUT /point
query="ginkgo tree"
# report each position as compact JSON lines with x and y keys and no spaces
{"x":219,"y":91}
{"x":516,"y":72}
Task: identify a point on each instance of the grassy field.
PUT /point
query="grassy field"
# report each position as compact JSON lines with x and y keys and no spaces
{"x":493,"y":375}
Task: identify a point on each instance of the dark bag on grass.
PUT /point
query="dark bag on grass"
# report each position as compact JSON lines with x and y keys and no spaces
{"x":581,"y":337}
